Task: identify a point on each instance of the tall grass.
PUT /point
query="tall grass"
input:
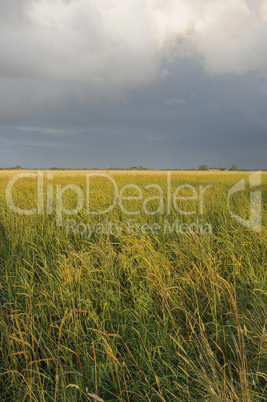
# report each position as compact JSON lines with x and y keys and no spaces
{"x":135,"y":317}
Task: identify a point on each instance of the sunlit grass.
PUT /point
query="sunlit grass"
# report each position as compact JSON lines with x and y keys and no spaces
{"x":135,"y":316}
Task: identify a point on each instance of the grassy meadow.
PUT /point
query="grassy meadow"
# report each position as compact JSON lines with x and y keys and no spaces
{"x":168,"y":304}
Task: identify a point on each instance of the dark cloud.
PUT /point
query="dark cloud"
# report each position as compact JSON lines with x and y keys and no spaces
{"x":99,"y":84}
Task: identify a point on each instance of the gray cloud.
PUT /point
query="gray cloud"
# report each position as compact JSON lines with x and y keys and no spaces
{"x":123,"y":42}
{"x":232,"y":41}
{"x":151,"y":82}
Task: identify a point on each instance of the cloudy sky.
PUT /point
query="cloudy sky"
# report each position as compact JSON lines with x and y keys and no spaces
{"x":157,"y":83}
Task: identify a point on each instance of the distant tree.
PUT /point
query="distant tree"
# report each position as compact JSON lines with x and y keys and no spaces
{"x":234,"y":167}
{"x":203,"y":167}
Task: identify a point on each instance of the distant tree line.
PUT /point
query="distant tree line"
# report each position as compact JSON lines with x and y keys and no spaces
{"x":18,"y":167}
{"x":201,"y":167}
{"x":205,"y":167}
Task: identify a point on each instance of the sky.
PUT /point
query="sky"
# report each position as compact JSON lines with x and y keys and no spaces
{"x":165,"y":84}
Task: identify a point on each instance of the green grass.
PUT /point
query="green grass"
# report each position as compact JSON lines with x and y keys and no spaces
{"x":134,"y":317}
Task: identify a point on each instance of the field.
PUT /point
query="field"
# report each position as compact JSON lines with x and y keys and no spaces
{"x":161,"y":298}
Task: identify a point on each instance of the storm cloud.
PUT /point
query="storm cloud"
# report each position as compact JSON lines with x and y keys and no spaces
{"x":174,"y":83}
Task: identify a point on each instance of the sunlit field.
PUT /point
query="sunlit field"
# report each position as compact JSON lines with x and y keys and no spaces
{"x":160,"y":298}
